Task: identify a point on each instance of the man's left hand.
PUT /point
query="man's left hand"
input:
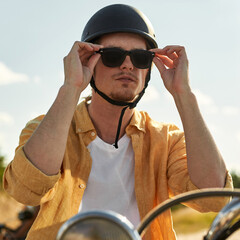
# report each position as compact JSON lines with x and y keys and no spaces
{"x":172,"y":64}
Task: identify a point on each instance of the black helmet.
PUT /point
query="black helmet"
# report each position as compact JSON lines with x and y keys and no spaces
{"x":119,"y":18}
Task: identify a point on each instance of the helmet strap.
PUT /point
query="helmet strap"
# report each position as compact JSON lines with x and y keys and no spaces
{"x":126,"y":105}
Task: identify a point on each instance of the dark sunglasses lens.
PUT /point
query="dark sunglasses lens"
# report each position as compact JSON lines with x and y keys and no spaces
{"x":112,"y":57}
{"x":141,"y":58}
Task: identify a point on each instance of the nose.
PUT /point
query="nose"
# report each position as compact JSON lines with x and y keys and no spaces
{"x":127,"y":64}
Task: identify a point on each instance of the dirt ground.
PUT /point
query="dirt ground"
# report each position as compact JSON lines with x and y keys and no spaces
{"x":9,"y":210}
{"x":201,"y":234}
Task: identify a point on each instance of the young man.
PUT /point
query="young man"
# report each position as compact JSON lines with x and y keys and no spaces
{"x":105,"y":154}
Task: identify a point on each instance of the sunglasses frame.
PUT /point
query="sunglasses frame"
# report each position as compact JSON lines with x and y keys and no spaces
{"x":125,"y":53}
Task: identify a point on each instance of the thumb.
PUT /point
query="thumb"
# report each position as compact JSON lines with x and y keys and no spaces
{"x":93,"y":61}
{"x":159,"y":64}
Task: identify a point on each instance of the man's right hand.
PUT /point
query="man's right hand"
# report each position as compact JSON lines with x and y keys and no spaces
{"x":79,"y":64}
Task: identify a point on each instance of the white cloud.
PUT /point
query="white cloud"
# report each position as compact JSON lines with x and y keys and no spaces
{"x":2,"y":141}
{"x":238,"y":136}
{"x":33,"y":115}
{"x":230,"y":110}
{"x":209,"y":106}
{"x":6,"y":147}
{"x":206,"y":103}
{"x":150,"y":94}
{"x":214,"y":129}
{"x":6,"y":119}
{"x":36,"y":79}
{"x":7,"y":76}
{"x":202,"y":98}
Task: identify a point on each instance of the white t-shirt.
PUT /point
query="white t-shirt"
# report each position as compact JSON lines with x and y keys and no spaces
{"x":111,"y":182}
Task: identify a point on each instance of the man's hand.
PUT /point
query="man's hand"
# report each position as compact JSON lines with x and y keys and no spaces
{"x":172,"y":64}
{"x":79,"y":64}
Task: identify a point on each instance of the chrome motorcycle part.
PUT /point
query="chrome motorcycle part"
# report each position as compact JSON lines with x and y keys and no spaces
{"x":223,"y":220}
{"x":98,"y":225}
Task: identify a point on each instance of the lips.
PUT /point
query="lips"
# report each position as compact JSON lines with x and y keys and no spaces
{"x":126,"y":78}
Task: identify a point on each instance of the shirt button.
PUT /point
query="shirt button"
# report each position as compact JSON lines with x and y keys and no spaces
{"x":79,"y":130}
{"x":82,"y":186}
{"x":93,"y":134}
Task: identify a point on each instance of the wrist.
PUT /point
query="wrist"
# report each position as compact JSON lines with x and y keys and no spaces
{"x":186,"y":103}
{"x":184,"y":96}
{"x":68,"y":95}
{"x":70,"y":90}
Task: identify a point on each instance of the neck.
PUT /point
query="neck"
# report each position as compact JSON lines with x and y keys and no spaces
{"x":105,"y":117}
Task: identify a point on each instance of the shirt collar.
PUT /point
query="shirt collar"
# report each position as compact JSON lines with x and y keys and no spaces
{"x":84,"y":123}
{"x":137,"y":122}
{"x":82,"y":119}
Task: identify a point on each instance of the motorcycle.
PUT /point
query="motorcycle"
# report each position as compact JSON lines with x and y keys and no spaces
{"x":26,"y":216}
{"x":106,"y":225}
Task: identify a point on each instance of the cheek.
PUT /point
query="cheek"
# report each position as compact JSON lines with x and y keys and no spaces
{"x":101,"y":74}
{"x":98,"y":70}
{"x":143,"y":76}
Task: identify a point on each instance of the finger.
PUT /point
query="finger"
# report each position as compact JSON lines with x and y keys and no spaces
{"x":79,"y":47}
{"x":90,"y":47}
{"x":96,"y":47}
{"x":85,"y":51}
{"x":86,"y":55}
{"x":166,"y":60}
{"x":85,"y":58}
{"x":93,"y":61}
{"x":159,"y":64}
{"x":170,"y":53}
{"x":179,"y":50}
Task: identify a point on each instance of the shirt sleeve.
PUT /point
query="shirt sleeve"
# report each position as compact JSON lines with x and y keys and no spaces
{"x":179,"y":180}
{"x":22,"y":180}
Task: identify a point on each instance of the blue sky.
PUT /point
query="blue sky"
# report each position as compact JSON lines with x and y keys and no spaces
{"x":36,"y":35}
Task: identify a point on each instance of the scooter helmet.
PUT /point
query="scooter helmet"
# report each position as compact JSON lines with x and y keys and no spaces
{"x":119,"y":18}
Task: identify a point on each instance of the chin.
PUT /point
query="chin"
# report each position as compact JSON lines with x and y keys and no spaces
{"x":123,"y":97}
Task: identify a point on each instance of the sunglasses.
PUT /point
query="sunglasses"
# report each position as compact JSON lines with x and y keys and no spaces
{"x":114,"y":57}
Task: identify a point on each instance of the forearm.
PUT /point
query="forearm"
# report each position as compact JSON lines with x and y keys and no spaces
{"x":205,"y":163}
{"x":46,"y":147}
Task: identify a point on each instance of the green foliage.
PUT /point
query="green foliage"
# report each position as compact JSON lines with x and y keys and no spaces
{"x":2,"y":167}
{"x":236,"y":179}
{"x":191,"y":221}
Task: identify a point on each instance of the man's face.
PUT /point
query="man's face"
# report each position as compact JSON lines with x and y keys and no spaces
{"x":125,"y":82}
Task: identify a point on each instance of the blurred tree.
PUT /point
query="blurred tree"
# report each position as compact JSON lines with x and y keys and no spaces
{"x":236,"y":179}
{"x":2,"y":167}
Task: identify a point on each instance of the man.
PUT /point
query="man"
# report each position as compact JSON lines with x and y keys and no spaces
{"x":105,"y":154}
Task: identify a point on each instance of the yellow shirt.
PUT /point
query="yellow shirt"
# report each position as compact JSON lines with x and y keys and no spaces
{"x":160,"y":173}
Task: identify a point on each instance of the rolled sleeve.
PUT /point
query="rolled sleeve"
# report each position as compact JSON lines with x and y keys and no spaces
{"x":22,"y":180}
{"x":26,"y":183}
{"x":210,"y":204}
{"x":179,"y":180}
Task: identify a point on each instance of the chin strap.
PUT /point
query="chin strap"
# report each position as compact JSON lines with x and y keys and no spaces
{"x":130,"y":105}
{"x":126,"y":105}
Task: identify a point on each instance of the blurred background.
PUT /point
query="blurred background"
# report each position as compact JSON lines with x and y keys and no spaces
{"x":35,"y":37}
